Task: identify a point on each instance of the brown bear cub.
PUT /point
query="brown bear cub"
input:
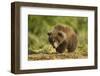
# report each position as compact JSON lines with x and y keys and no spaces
{"x":62,"y":38}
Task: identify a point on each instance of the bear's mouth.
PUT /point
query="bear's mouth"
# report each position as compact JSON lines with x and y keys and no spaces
{"x":55,"y":45}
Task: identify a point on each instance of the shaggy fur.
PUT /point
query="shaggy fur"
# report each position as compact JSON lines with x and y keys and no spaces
{"x":62,"y":38}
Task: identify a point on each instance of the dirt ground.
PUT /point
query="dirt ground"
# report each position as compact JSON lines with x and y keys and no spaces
{"x":53,"y":56}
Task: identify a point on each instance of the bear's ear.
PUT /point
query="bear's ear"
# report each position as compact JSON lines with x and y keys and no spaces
{"x":49,"y":33}
{"x":61,"y":34}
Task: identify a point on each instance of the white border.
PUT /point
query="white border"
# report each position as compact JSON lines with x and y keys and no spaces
{"x":25,"y":64}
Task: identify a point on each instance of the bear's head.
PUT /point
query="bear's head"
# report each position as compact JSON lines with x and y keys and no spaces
{"x":56,"y":38}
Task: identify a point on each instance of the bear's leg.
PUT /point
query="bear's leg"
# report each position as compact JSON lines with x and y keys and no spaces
{"x":71,"y":49}
{"x":72,"y":46}
{"x":61,"y":48}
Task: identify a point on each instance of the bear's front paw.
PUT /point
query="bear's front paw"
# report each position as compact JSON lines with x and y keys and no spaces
{"x":60,"y":49}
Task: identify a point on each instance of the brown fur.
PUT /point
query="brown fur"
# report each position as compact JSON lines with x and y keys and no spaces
{"x":63,"y":38}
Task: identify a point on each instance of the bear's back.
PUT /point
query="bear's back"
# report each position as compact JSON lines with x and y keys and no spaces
{"x":66,"y":29}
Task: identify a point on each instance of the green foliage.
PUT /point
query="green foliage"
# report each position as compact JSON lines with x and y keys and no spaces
{"x":38,"y":26}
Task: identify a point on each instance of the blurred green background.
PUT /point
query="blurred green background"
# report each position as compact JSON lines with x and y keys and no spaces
{"x":39,"y":25}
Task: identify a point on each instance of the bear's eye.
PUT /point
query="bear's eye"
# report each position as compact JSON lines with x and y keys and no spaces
{"x":53,"y":40}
